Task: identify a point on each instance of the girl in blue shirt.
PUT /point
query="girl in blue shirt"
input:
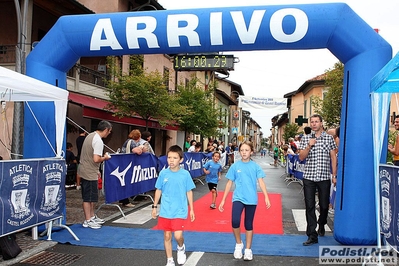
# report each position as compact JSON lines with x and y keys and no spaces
{"x":212,"y":169}
{"x":245,"y":174}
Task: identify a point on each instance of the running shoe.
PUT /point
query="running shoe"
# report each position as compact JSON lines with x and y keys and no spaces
{"x":170,"y":263}
{"x":98,"y":220}
{"x":181,"y":254}
{"x":91,"y":224}
{"x":238,"y":251}
{"x":248,"y":254}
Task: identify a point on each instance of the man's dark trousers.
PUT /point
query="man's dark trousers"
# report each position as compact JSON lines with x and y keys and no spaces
{"x":309,"y":190}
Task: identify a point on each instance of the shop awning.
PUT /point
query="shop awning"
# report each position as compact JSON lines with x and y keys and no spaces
{"x":95,"y":108}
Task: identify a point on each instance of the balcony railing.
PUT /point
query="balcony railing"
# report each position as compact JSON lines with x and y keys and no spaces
{"x":89,"y":75}
{"x":7,"y":54}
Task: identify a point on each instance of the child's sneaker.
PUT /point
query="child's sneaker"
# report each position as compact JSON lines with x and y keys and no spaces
{"x":98,"y":220}
{"x":238,"y":251}
{"x":248,"y":254}
{"x":213,"y":206}
{"x":170,"y":262}
{"x":91,"y":224}
{"x":181,"y":254}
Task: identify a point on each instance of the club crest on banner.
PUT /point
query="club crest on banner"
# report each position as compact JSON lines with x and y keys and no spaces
{"x":52,"y":193}
{"x":20,"y":199}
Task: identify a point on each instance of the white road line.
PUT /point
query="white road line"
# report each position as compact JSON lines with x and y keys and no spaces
{"x":194,"y":258}
{"x":139,"y":217}
{"x":300,"y":220}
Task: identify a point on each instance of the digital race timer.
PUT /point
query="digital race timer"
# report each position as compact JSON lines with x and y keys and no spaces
{"x":204,"y":62}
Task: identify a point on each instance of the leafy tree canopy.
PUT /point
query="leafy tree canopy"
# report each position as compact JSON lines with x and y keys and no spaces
{"x":201,"y":116}
{"x":142,"y":94}
{"x":290,"y":130}
{"x":330,"y":106}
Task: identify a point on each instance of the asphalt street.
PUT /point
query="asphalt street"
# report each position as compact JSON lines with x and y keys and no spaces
{"x":52,"y":253}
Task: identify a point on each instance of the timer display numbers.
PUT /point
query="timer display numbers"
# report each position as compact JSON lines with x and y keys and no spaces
{"x":204,"y":62}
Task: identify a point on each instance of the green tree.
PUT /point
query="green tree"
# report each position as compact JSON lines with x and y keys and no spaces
{"x":290,"y":130}
{"x":330,"y":106}
{"x":141,"y":93}
{"x":201,"y":116}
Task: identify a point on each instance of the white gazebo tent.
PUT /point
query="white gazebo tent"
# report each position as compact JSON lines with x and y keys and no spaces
{"x":16,"y":87}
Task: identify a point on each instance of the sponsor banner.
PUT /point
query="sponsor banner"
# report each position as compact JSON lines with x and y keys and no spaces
{"x":193,"y":162}
{"x":31,"y":192}
{"x":359,"y":255}
{"x":127,"y":175}
{"x":295,"y":166}
{"x":249,"y":102}
{"x":389,"y":207}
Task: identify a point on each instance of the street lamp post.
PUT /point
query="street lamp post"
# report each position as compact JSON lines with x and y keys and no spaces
{"x":236,"y":116}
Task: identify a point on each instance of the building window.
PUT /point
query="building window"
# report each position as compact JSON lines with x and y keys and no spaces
{"x":166,"y":77}
{"x":305,"y":103}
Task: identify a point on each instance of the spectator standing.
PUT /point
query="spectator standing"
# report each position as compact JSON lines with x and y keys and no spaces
{"x":297,"y":139}
{"x":198,"y":147}
{"x":293,"y":145}
{"x":287,"y":150}
{"x":79,"y":142}
{"x":90,"y":160}
{"x":146,"y":135}
{"x":229,"y":151}
{"x":275,"y":155}
{"x":307,"y":130}
{"x":246,"y":174}
{"x":210,"y":149}
{"x":335,"y":133}
{"x":318,"y":149}
{"x":134,"y":144}
{"x":192,"y":146}
{"x":71,"y":162}
{"x":221,"y":147}
{"x":263,"y":152}
{"x":175,"y":186}
{"x":187,"y":144}
{"x":213,"y":170}
{"x":394,"y":149}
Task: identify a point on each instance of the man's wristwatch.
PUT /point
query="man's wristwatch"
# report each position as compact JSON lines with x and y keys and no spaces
{"x":154,"y":206}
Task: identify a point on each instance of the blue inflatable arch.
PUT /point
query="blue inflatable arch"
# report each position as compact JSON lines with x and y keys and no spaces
{"x":333,"y":26}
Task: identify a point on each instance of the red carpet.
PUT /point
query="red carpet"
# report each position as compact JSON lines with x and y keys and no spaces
{"x":267,"y":221}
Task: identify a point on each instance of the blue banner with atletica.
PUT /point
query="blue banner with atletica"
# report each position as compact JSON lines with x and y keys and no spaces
{"x":389,"y":203}
{"x":32,"y":192}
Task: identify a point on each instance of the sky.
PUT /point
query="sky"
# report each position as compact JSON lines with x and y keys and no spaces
{"x":276,"y":73}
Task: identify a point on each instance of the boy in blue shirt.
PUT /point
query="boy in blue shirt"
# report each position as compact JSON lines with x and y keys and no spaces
{"x":212,"y":169}
{"x":175,"y":185}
